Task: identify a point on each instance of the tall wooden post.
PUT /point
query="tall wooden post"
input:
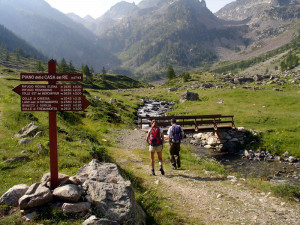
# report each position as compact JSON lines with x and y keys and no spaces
{"x":53,"y":134}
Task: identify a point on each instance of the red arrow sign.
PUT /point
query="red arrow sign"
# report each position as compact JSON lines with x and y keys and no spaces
{"x":49,"y":90}
{"x":51,"y":77}
{"x":54,"y":103}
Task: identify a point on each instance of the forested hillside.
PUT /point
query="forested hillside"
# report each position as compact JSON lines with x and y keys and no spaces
{"x":10,"y":42}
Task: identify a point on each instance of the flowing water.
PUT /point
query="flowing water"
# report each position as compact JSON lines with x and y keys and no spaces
{"x":276,"y":172}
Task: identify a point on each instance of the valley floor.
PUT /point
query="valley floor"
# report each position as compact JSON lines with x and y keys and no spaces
{"x":207,"y":199}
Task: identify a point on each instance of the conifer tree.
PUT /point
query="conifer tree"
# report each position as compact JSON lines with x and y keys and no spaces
{"x":39,"y":66}
{"x":103,"y":71}
{"x":171,"y":73}
{"x":87,"y":73}
{"x":63,"y":66}
{"x":71,"y":67}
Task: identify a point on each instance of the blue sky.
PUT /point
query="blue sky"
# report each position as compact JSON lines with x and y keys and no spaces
{"x":96,"y":8}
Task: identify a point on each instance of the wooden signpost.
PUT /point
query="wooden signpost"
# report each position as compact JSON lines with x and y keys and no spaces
{"x":52,"y":97}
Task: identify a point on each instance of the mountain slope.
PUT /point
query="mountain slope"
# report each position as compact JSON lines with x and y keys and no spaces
{"x":11,"y":42}
{"x":267,"y":21}
{"x":54,"y":33}
{"x":163,"y":32}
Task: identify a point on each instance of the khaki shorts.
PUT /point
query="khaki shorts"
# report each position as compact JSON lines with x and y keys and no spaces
{"x":155,"y":148}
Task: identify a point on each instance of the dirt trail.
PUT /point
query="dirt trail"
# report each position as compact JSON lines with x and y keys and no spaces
{"x":211,"y":199}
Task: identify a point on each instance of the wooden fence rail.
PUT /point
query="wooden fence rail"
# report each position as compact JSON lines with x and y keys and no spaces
{"x":191,"y":123}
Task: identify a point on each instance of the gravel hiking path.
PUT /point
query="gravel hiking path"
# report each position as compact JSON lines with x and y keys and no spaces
{"x":209,"y":199}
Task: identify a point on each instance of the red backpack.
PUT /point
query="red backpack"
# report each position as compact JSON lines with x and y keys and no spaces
{"x":155,"y":138}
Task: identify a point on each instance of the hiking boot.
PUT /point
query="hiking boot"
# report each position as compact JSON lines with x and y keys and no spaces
{"x":152,"y":172}
{"x":162,"y":171}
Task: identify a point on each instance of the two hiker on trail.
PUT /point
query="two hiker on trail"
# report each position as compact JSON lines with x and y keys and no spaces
{"x":155,"y":139}
{"x":175,"y":134}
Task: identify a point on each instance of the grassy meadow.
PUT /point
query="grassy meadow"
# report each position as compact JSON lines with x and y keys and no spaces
{"x":86,"y":135}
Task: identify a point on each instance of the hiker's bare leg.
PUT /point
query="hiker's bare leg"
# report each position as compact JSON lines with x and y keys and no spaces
{"x":159,"y":155}
{"x":152,"y":159}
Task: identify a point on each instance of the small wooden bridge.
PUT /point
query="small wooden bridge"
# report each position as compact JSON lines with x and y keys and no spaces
{"x":191,"y":124}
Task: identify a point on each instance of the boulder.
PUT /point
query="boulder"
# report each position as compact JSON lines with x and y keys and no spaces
{"x":12,"y":196}
{"x":24,"y":141}
{"x":76,"y":207}
{"x":111,"y":194}
{"x":113,"y":201}
{"x":28,"y":217}
{"x":93,"y":220}
{"x":68,"y":192}
{"x":35,"y":196}
{"x":28,"y":131}
{"x":292,"y":159}
{"x":212,"y":141}
{"x":101,"y":172}
{"x":189,"y":96}
{"x":62,"y":179}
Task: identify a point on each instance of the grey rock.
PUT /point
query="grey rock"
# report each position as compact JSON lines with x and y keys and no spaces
{"x":41,"y":148}
{"x":93,"y":220}
{"x":28,"y":217}
{"x":62,"y":179}
{"x":97,"y":171}
{"x":76,"y":207}
{"x":234,"y":140}
{"x":16,"y":159}
{"x":246,"y":153}
{"x":39,"y":133}
{"x":212,"y":141}
{"x":286,"y":154}
{"x":35,"y":196}
{"x":24,"y":141}
{"x":28,"y":131}
{"x":12,"y":196}
{"x":292,"y":159}
{"x":68,"y":192}
{"x":112,"y":100}
{"x":114,"y":201}
{"x":189,"y":96}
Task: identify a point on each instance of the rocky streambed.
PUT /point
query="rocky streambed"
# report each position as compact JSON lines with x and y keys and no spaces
{"x":227,"y":148}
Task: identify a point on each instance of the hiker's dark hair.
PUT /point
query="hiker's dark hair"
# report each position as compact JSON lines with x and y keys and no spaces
{"x":153,"y":123}
{"x":173,"y":120}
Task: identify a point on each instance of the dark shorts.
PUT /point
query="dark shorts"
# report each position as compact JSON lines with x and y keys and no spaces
{"x":174,"y":148}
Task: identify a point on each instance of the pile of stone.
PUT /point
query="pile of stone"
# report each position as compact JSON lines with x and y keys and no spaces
{"x":223,"y":141}
{"x":98,"y":184}
{"x":266,"y":156}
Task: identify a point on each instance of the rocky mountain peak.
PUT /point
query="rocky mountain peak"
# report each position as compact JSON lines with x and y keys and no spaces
{"x":120,"y":10}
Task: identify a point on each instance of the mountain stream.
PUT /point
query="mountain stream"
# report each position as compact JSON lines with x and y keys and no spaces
{"x":275,"y":172}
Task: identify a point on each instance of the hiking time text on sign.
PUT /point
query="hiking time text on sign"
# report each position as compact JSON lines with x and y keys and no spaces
{"x":52,"y":97}
{"x":45,"y":97}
